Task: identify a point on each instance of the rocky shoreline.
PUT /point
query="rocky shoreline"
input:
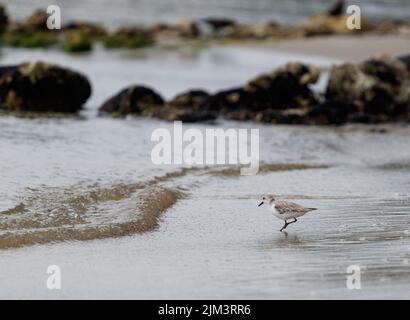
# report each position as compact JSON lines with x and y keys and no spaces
{"x":80,"y":36}
{"x":376,"y":90}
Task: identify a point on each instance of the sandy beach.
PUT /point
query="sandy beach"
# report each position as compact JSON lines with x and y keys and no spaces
{"x":346,"y":48}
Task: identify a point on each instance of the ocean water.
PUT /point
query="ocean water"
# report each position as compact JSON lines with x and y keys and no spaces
{"x":82,"y":193}
{"x":120,"y":12}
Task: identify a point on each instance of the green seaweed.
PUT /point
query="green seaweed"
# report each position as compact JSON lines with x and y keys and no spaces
{"x":37,"y":39}
{"x":77,"y":42}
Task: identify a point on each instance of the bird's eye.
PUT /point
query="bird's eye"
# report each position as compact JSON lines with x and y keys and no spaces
{"x":263,"y":198}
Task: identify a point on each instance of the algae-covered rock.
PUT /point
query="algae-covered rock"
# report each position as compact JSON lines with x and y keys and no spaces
{"x":347,"y":82}
{"x":89,"y":29}
{"x":191,"y":99}
{"x":273,"y":29}
{"x":133,"y":100}
{"x":331,"y":112}
{"x":385,"y":69}
{"x":130,"y":37}
{"x":325,"y":24}
{"x":36,"y":21}
{"x":29,"y":39}
{"x":183,"y":28}
{"x":377,"y":86}
{"x":77,"y":41}
{"x":31,"y":32}
{"x":282,"y":96}
{"x":264,"y":30}
{"x":287,"y":87}
{"x":226,"y":101}
{"x":391,"y":93}
{"x":42,"y":87}
{"x":188,"y":107}
{"x":186,"y":28}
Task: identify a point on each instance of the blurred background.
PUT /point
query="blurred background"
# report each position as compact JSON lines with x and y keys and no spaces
{"x":120,"y":12}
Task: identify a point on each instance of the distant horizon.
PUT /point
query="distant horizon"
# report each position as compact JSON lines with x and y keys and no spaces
{"x":126,"y":12}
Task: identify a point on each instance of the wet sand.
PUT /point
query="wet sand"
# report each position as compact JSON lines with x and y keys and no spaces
{"x":216,"y":242}
{"x":347,"y":48}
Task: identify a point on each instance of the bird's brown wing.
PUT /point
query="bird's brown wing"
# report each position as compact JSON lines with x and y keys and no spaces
{"x":284,"y":207}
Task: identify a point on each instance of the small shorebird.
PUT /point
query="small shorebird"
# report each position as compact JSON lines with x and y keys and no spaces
{"x":285,"y":210}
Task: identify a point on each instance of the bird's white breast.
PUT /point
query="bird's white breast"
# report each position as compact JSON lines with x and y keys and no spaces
{"x":272,"y":207}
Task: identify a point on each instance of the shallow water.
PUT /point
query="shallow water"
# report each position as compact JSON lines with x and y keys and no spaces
{"x":203,"y":236}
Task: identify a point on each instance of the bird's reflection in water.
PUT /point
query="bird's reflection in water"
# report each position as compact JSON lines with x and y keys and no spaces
{"x":286,"y":240}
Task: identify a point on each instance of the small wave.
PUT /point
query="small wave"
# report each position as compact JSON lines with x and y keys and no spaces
{"x":266,"y":168}
{"x":95,"y":212}
{"x":152,"y":202}
{"x":399,"y":165}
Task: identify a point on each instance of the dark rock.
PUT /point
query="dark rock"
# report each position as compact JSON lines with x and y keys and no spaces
{"x":385,"y":69}
{"x":226,"y":100}
{"x":369,"y":118}
{"x":130,"y":37}
{"x":4,"y":19}
{"x":378,"y":86}
{"x":42,"y":87}
{"x":6,"y":69}
{"x":331,"y":112}
{"x":219,"y":23}
{"x":188,"y":107}
{"x":406,"y":61}
{"x":347,"y":82}
{"x":242,"y":115}
{"x":390,"y":94}
{"x":192,"y":99}
{"x":37,"y":21}
{"x":278,"y":97}
{"x":290,"y":116}
{"x":87,"y":28}
{"x":134,"y":100}
{"x":285,"y":88}
{"x":337,"y":8}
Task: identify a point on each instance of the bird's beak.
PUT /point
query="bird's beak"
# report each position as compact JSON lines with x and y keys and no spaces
{"x":260,"y":204}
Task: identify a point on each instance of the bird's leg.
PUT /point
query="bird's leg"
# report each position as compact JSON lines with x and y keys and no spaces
{"x":284,"y":227}
{"x":288,"y":223}
{"x":293,"y":221}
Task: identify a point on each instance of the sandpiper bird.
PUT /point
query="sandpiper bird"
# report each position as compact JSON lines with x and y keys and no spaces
{"x":285,"y":210}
